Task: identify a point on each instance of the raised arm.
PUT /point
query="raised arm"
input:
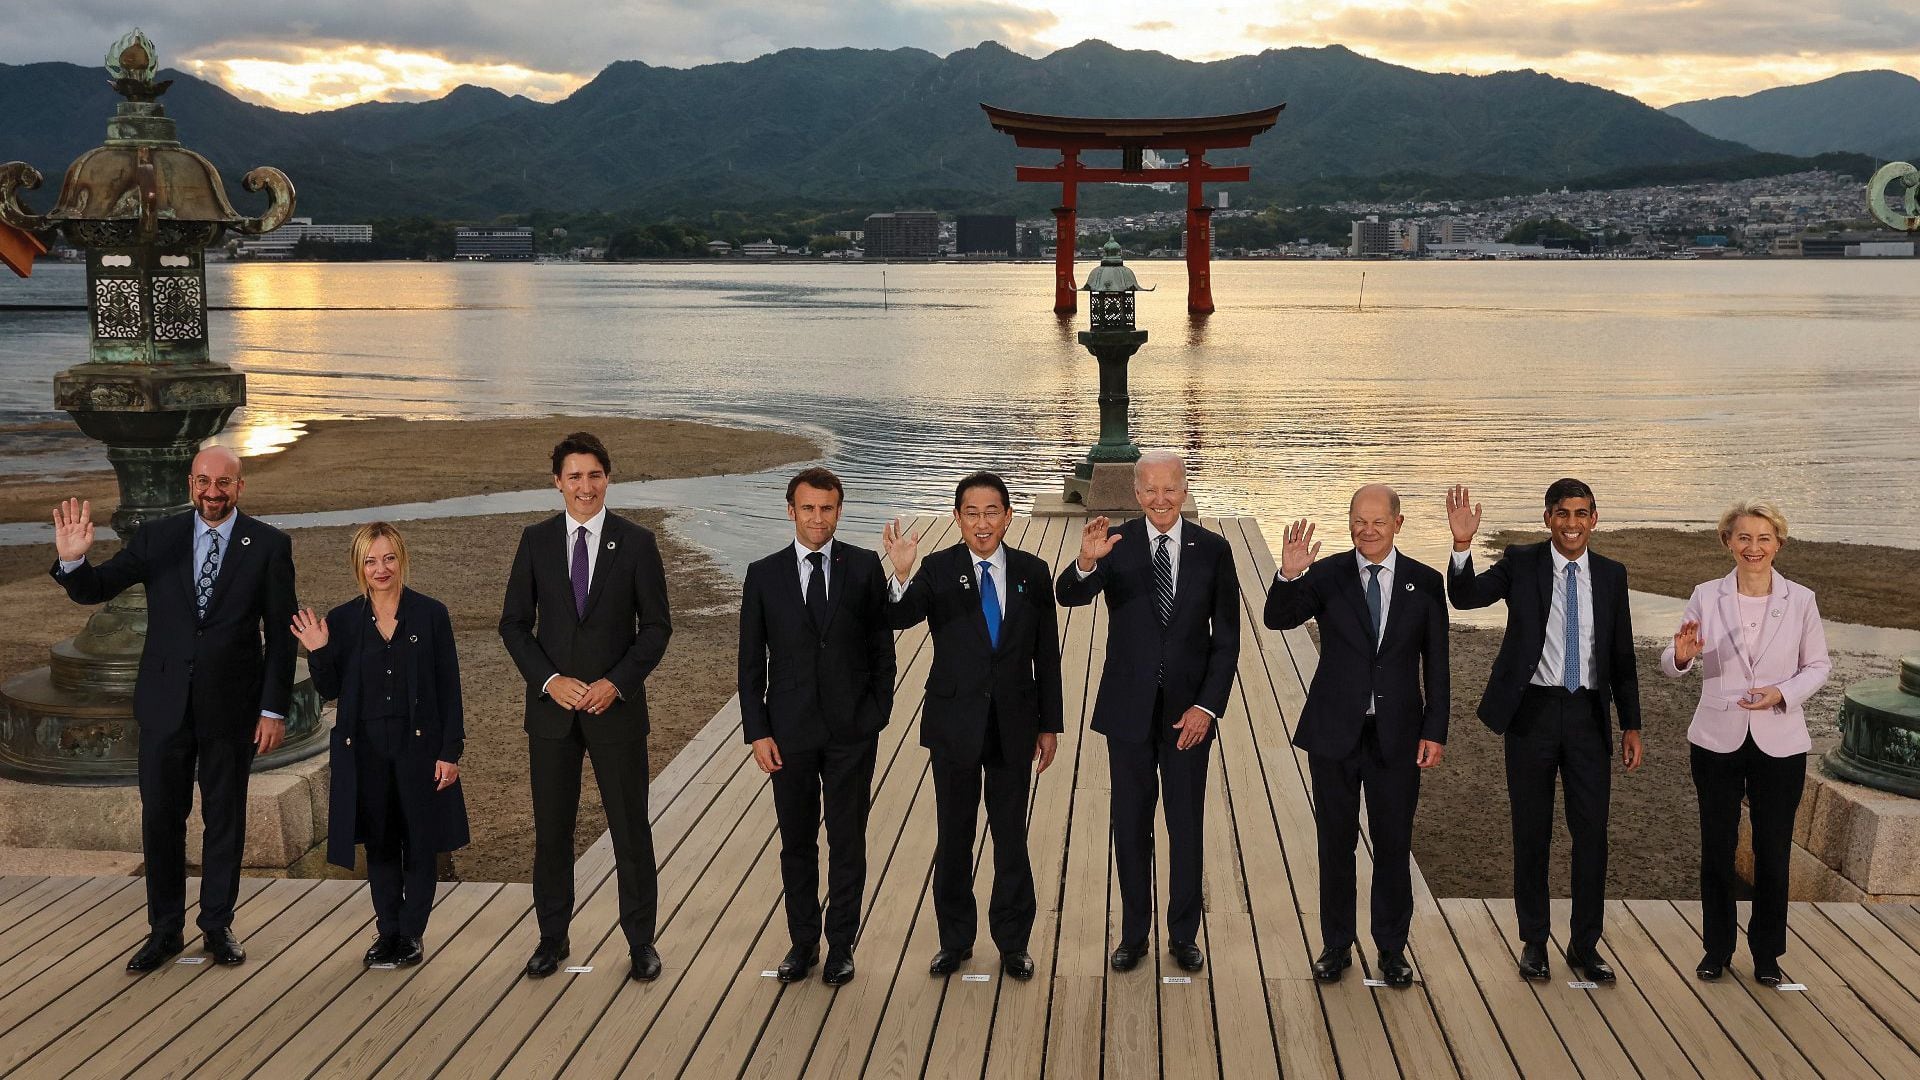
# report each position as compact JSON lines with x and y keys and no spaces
{"x":1083,"y":579}
{"x":1293,"y":599}
{"x":1465,"y":589}
{"x":84,"y":582}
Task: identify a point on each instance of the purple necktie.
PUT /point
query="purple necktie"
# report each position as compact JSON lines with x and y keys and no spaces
{"x":580,"y":574}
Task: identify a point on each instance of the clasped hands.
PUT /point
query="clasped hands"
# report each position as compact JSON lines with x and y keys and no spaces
{"x":594,"y":697}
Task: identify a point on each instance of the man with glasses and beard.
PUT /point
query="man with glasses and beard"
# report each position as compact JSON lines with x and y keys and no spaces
{"x":215,"y":684}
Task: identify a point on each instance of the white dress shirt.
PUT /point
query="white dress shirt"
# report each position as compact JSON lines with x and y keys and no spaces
{"x":998,"y":560}
{"x":800,"y":552}
{"x":595,"y":525}
{"x":1553,"y":658}
{"x":1386,"y":586}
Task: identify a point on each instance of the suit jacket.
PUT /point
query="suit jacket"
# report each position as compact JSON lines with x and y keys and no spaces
{"x":1412,"y":652}
{"x":837,"y":677}
{"x":1792,"y":655}
{"x":1018,"y":682}
{"x":1524,"y":579}
{"x":1199,"y":646}
{"x":226,"y":670}
{"x":423,"y":645}
{"x":621,"y":637}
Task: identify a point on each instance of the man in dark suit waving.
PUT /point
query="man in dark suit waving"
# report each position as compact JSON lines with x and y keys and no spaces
{"x":1567,"y":653}
{"x":993,"y":709}
{"x":1173,"y":640}
{"x":586,"y":621}
{"x":1366,"y":727}
{"x":816,"y":687}
{"x":215,"y":683}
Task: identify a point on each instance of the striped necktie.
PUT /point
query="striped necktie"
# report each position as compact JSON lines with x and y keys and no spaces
{"x":1162,"y":580}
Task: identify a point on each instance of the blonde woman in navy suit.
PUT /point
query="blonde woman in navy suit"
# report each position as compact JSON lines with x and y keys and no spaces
{"x":1758,"y":639}
{"x":388,"y":656}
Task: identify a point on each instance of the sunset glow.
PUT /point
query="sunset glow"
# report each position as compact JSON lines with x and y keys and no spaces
{"x":311,"y":79}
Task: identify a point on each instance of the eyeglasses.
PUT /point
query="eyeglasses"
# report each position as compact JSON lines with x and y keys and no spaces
{"x":223,"y":484}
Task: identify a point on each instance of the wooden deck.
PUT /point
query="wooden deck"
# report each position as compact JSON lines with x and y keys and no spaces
{"x":302,"y":1005}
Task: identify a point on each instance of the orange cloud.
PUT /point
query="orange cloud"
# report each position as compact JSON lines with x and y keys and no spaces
{"x":308,"y":79}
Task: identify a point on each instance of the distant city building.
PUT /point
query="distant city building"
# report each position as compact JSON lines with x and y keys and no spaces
{"x":1854,"y":245}
{"x":762,"y":249}
{"x":903,"y":234}
{"x":1450,"y":231}
{"x":1224,"y":201}
{"x":1371,"y":236}
{"x":719,"y":247}
{"x":493,"y":243}
{"x":854,"y":235}
{"x":985,"y":234}
{"x":279,"y":244}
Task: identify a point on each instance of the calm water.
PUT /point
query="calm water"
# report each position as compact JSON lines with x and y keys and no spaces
{"x":1670,"y":387}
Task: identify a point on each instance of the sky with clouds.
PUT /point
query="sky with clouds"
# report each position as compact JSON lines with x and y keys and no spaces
{"x":327,"y":53}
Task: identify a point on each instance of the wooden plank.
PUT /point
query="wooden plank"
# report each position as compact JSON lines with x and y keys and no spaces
{"x":1530,"y":1036}
{"x":1865,"y":982}
{"x":25,"y":940}
{"x":1187,"y":1046}
{"x":437,"y":985}
{"x":1474,"y":1038}
{"x":1902,"y":919}
{"x":1239,"y":996}
{"x":1769,"y":1049}
{"x":13,"y":885}
{"x":237,"y":1048}
{"x":162,"y":1004}
{"x":1889,"y":950}
{"x":1589,"y":1041}
{"x":1074,"y":1032}
{"x":1830,"y":1023}
{"x":30,"y":900}
{"x":109,"y":916}
{"x":1132,"y":1048}
{"x":76,"y":990}
{"x":478,"y":1002}
{"x":1300,"y":1029}
{"x":1670,"y":997}
{"x":297,"y":1051}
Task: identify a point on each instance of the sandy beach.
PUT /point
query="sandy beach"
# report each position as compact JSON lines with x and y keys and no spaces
{"x":463,"y":562}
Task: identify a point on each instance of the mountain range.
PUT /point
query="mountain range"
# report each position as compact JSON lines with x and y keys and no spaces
{"x":873,"y":128}
{"x":1866,"y":112}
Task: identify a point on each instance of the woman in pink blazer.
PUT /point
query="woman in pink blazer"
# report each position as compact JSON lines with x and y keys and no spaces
{"x":1758,"y":637}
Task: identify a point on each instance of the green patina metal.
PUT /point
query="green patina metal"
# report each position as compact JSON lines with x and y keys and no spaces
{"x":144,"y":209}
{"x":1112,"y":339}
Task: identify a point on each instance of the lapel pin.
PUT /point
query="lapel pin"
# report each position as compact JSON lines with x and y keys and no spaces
{"x":965,"y":583}
{"x":245,"y":540}
{"x":413,"y":639}
{"x":1409,"y":586}
{"x":1776,"y":614}
{"x":611,"y":545}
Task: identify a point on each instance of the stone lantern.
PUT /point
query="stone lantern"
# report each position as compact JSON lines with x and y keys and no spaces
{"x":1104,"y":481}
{"x":144,"y":209}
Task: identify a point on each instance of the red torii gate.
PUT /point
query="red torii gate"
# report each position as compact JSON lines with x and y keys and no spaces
{"x":1132,"y":137}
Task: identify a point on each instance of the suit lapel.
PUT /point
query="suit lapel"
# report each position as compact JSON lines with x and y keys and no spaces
{"x":1397,"y":615}
{"x":1357,"y":593}
{"x":1543,"y":576}
{"x":836,"y":580}
{"x":970,"y":591}
{"x":189,"y":566}
{"x":1770,"y":625}
{"x":1729,"y":605}
{"x":1183,"y":586}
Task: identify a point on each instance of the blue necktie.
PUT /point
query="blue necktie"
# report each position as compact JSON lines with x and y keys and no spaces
{"x":1570,"y":671}
{"x":990,"y":603}
{"x":209,"y":573}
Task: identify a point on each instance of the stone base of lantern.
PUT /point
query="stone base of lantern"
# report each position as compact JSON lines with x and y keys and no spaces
{"x":1109,"y":491}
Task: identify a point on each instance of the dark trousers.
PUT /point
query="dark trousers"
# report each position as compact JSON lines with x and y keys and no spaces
{"x":1137,"y":771}
{"x":401,"y":871}
{"x":621,"y":769}
{"x":1392,"y":791}
{"x":1556,"y":735}
{"x":1771,"y":787}
{"x":957,"y":788}
{"x":168,"y":764}
{"x":842,"y":775}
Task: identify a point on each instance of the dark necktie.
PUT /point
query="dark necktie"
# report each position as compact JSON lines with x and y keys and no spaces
{"x":1162,"y":580}
{"x":990,"y":603}
{"x":580,"y":573}
{"x":209,"y":573}
{"x":817,"y":589}
{"x":1373,"y":598}
{"x":1570,"y":671}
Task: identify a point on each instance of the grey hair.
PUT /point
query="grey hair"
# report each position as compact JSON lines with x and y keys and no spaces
{"x":1150,"y":458}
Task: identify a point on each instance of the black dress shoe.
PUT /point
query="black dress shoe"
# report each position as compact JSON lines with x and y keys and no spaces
{"x":1767,"y":973}
{"x":838,"y":970}
{"x":382,"y":950}
{"x":157,"y":950}
{"x":799,"y":960}
{"x":1589,"y":966}
{"x":1395,"y":969}
{"x":1710,"y":967}
{"x":646,"y":964}
{"x":1533,"y":962}
{"x":1333,"y":960}
{"x":1017,"y":964}
{"x":948,"y":961}
{"x":1187,"y":955}
{"x":223,"y":947}
{"x":407,"y":951}
{"x":1126,"y":957}
{"x":547,"y":956}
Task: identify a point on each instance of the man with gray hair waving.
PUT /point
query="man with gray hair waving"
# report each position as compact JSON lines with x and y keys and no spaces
{"x":1173,"y":642}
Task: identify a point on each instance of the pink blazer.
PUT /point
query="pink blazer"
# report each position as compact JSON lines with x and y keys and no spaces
{"x":1792,"y":655}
